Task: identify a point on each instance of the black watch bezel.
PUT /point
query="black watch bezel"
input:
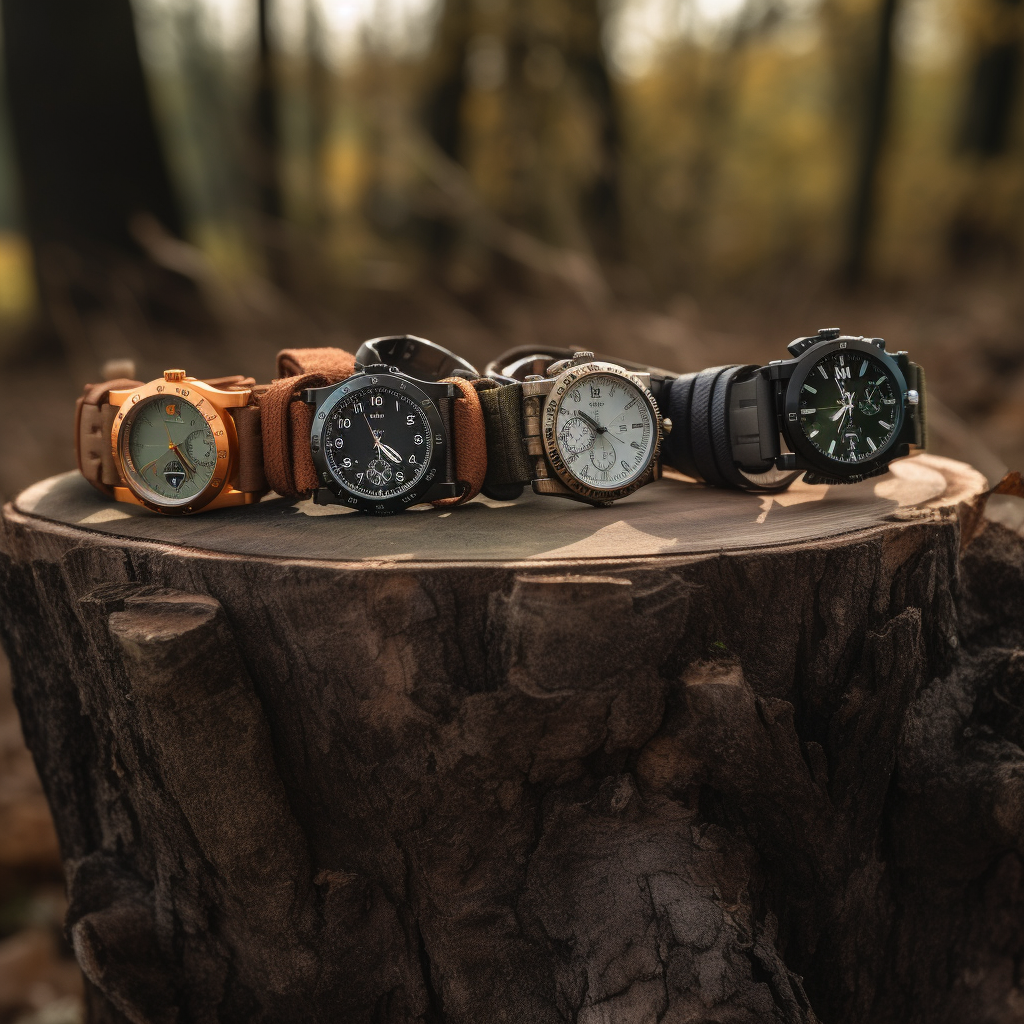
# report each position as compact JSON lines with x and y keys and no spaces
{"x":790,"y":424}
{"x":435,"y":472}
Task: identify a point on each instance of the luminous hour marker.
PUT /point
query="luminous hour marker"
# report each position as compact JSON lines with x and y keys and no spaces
{"x":813,"y":433}
{"x":831,"y":447}
{"x":882,"y":423}
{"x":881,"y":380}
{"x":813,"y":391}
{"x":807,"y":412}
{"x":863,"y":368}
{"x":821,"y":370}
{"x":871,"y":444}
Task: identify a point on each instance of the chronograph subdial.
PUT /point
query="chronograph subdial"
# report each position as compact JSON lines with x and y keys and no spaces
{"x":602,"y":454}
{"x":576,"y":435}
{"x":200,"y":448}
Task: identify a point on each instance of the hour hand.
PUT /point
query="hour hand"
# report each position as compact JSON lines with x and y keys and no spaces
{"x":389,"y":452}
{"x":590,"y":419}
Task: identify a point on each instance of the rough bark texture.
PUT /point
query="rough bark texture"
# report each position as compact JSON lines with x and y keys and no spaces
{"x":767,"y":785}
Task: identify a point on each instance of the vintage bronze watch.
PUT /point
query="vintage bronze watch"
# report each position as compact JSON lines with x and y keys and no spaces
{"x":175,"y":445}
{"x":584,"y":429}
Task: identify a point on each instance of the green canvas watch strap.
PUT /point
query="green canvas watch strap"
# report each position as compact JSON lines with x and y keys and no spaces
{"x":507,"y":461}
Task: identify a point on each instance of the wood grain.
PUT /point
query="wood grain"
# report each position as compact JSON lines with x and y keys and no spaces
{"x":693,"y":758}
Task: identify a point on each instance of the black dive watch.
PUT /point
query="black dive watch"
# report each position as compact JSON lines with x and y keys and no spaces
{"x":839,"y":411}
{"x":384,"y":439}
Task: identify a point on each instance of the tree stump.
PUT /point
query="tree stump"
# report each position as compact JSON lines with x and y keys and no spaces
{"x":701,"y":756}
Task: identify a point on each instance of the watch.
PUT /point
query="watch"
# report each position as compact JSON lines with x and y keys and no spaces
{"x":174,"y":445}
{"x":839,"y":411}
{"x":392,"y":435}
{"x":585,"y":429}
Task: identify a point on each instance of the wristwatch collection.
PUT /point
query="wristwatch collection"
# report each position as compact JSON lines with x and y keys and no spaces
{"x":405,"y":422}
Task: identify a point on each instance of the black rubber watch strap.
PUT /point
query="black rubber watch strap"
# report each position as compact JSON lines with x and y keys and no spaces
{"x":719,"y":421}
{"x":700,"y":424}
{"x":507,"y":461}
{"x":676,"y":400}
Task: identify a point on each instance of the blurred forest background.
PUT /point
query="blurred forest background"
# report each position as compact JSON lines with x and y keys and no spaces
{"x":691,"y":182}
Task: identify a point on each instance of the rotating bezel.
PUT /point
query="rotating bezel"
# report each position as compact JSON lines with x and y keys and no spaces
{"x":222,"y":426}
{"x":565,"y":382}
{"x":793,"y":432}
{"x":417,"y":491}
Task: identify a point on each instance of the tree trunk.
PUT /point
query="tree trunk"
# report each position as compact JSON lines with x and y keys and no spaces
{"x":876,"y":118}
{"x":91,"y":167}
{"x":700,"y":756}
{"x":267,"y":149}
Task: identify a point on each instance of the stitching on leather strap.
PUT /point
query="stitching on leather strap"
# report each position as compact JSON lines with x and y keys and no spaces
{"x":469,"y":441}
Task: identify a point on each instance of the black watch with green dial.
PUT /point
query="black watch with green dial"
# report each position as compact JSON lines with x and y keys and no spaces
{"x":839,"y":411}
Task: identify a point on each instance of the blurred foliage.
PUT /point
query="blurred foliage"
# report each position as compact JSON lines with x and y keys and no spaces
{"x":723,"y":156}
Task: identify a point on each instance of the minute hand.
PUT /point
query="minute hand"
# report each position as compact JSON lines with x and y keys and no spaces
{"x":590,"y":419}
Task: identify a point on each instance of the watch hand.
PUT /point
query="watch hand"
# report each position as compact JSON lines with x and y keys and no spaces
{"x":148,"y":465}
{"x":189,"y":465}
{"x":589,"y":419}
{"x":389,"y":452}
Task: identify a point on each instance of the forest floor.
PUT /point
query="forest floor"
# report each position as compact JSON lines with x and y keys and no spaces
{"x":968,"y":336}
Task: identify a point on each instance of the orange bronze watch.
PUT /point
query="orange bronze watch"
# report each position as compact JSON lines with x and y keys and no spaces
{"x":175,"y":445}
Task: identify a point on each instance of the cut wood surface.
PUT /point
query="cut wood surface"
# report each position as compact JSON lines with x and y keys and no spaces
{"x":699,"y":757}
{"x":673,"y":516}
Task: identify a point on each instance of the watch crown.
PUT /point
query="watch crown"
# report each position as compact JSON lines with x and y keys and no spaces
{"x":174,"y":376}
{"x":533,"y":376}
{"x":913,"y":398}
{"x":666,"y":425}
{"x":582,"y":356}
{"x":828,"y":333}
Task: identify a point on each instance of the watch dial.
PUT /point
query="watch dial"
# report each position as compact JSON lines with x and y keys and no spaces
{"x":169,"y":449}
{"x":849,"y":406}
{"x":378,"y":442}
{"x":605,"y":431}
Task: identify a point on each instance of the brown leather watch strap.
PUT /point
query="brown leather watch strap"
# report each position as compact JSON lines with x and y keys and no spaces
{"x":94,"y":419}
{"x":332,"y":362}
{"x":469,"y":441}
{"x":286,"y":419}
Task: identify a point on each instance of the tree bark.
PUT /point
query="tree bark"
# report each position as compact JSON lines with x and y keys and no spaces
{"x":640,"y":763}
{"x":90,"y":165}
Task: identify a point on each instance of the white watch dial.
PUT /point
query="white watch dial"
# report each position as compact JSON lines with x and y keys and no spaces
{"x":605,"y":431}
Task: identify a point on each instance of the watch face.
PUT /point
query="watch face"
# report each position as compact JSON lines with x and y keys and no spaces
{"x":378,"y":442}
{"x":169,"y":449}
{"x":605,"y":431}
{"x":849,"y":406}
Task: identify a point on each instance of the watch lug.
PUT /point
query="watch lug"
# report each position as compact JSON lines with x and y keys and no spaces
{"x":442,"y":490}
{"x":314,"y":396}
{"x":325,"y":496}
